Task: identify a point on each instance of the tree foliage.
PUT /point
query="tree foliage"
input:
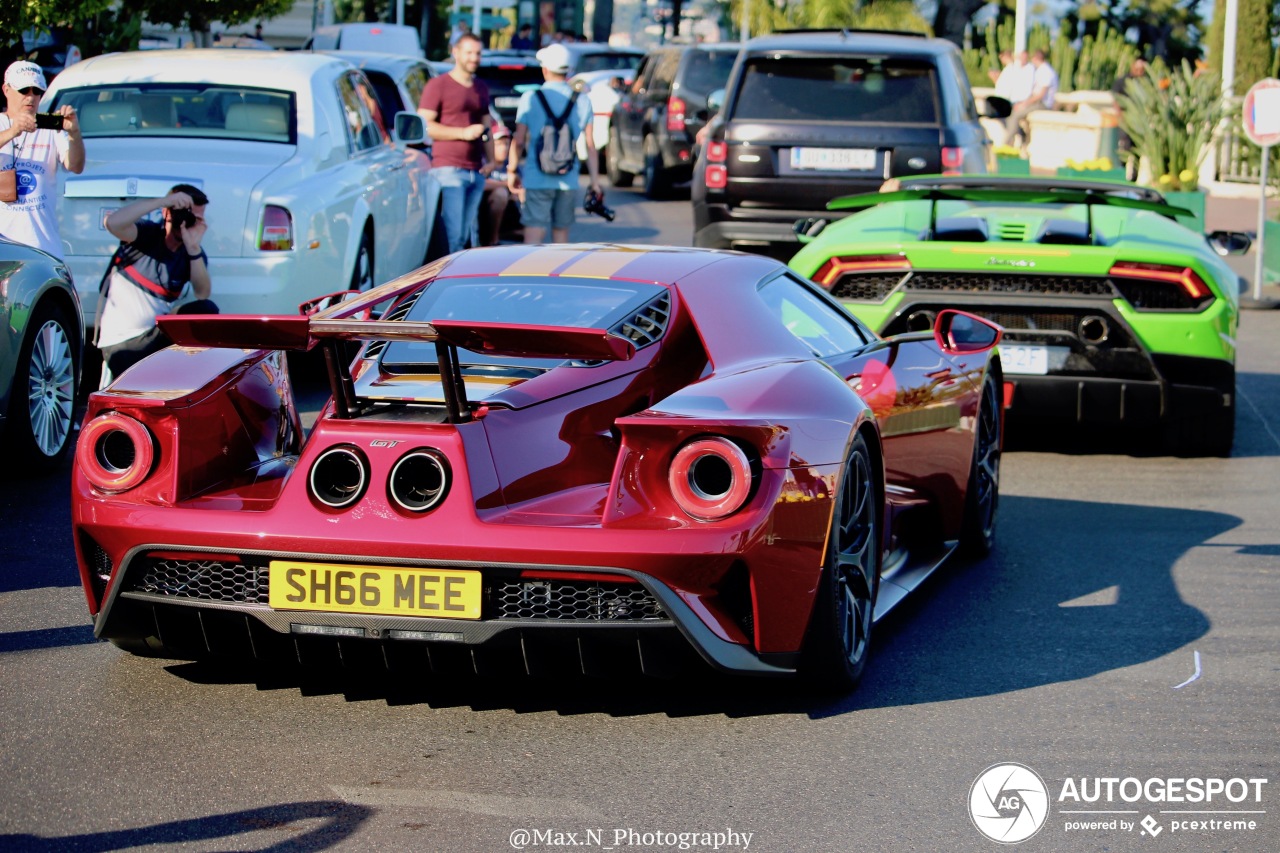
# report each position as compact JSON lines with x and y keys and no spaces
{"x":768,"y":16}
{"x":1254,"y":56}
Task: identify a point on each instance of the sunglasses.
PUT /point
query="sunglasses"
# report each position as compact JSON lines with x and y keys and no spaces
{"x":31,"y":90}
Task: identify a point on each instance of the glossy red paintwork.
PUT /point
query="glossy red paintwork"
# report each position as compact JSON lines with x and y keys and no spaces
{"x":566,"y":469}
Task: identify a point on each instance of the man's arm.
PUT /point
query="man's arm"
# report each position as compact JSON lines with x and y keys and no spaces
{"x":18,"y":124}
{"x":201,"y":283}
{"x":593,"y":157}
{"x":73,"y":160}
{"x":518,"y":141}
{"x":440,"y":132}
{"x":123,"y":222}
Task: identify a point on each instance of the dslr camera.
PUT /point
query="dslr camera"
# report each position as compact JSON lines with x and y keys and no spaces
{"x":48,"y":121}
{"x":182,"y":216}
{"x":593,"y":202}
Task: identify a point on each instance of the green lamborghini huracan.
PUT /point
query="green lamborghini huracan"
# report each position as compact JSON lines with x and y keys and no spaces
{"x":1113,"y":312}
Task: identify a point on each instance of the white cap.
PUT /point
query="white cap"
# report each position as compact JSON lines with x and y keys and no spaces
{"x":24,"y":75}
{"x":554,"y":58}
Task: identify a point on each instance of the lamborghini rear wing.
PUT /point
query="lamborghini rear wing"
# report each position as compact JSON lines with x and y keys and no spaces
{"x":330,"y":328}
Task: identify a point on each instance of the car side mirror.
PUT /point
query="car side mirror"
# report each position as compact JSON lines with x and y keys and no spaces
{"x":998,"y":107}
{"x":1230,"y":242}
{"x":409,"y":128}
{"x":715,"y":101}
{"x":807,"y":230}
{"x":961,"y":332}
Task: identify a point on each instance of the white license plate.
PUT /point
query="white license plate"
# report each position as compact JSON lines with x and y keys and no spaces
{"x":1018,"y":358}
{"x":506,"y":103}
{"x":833,"y":159}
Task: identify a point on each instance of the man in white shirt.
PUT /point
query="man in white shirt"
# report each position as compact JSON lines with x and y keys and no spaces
{"x":1015,"y":80}
{"x":35,"y":154}
{"x":1044,"y":89}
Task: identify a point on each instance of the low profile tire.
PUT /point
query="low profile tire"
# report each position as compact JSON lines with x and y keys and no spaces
{"x":613,"y":170}
{"x":43,"y":396}
{"x":362,"y":271}
{"x":1202,"y":434}
{"x":982,"y":495}
{"x":657,"y":184}
{"x":437,"y":243}
{"x":839,"y":639}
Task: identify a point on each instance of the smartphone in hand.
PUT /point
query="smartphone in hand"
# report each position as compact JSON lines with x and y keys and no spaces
{"x":49,"y":121}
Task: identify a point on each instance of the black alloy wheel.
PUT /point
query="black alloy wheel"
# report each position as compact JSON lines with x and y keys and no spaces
{"x":613,"y":170}
{"x":657,"y":184}
{"x":839,"y":639}
{"x":362,"y":271}
{"x":982,"y":495}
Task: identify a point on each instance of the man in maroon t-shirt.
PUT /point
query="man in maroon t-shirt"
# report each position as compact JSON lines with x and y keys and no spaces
{"x":456,"y":109}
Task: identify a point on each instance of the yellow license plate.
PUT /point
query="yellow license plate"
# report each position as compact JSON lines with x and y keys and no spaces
{"x":442,"y":593}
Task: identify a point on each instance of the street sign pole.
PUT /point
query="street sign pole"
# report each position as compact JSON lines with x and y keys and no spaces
{"x":1262,"y":226}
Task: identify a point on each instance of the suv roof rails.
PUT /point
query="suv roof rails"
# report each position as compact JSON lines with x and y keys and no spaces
{"x":849,"y":30}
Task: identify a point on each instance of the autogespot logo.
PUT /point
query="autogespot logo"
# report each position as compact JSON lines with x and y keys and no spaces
{"x":1008,"y":803}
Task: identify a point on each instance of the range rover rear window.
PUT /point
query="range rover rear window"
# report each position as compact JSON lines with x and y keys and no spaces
{"x":825,"y":88}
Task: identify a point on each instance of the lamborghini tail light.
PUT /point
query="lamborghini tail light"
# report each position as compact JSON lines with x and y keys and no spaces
{"x":1177,"y":286}
{"x":339,"y":477}
{"x":830,"y":272}
{"x":676,"y":108}
{"x":276,"y":232}
{"x":115,"y":452}
{"x":710,"y":478}
{"x":419,"y":480}
{"x":952,"y":160}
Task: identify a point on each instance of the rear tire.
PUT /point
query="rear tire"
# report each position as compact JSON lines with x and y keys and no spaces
{"x":657,"y":183}
{"x":362,"y":278}
{"x":839,"y":639}
{"x":618,"y":176}
{"x":43,"y":397}
{"x":982,"y":494}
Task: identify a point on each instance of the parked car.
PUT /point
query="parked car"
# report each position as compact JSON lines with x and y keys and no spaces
{"x":603,"y":88}
{"x":810,"y":116}
{"x":586,"y":456}
{"x":587,"y":56}
{"x":397,"y":80}
{"x":1114,"y":314}
{"x":307,"y":189}
{"x":53,"y":49}
{"x":41,"y":345}
{"x":508,"y":77}
{"x":375,"y":37}
{"x":656,"y":121}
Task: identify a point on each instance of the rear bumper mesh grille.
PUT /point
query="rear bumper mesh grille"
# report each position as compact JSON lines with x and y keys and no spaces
{"x":562,"y":600}
{"x":1048,"y":285}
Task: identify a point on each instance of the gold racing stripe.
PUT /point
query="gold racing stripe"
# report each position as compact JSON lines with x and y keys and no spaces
{"x":542,"y":261}
{"x":602,"y":263}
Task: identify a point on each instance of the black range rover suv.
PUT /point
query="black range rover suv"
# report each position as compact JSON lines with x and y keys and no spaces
{"x":809,"y":116}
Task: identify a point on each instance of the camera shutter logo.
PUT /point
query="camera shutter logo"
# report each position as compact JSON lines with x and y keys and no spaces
{"x":1008,"y":803}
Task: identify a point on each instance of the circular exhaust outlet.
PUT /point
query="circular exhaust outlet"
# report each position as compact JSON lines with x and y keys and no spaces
{"x":338,"y":477}
{"x":921,"y":321}
{"x":419,"y":480}
{"x":1094,"y":329}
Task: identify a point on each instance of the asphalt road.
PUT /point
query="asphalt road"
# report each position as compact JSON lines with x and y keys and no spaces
{"x":1114,"y":573}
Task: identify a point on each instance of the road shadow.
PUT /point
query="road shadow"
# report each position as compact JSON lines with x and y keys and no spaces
{"x":338,"y":822}
{"x":976,"y":629}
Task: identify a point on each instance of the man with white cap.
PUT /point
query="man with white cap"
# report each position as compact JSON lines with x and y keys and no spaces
{"x":30,"y":215}
{"x":549,"y":200}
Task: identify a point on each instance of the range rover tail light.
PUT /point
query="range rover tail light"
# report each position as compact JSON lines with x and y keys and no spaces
{"x":710,"y":478}
{"x":717,"y":173}
{"x":676,"y":109}
{"x":115,"y":452}
{"x":829,"y":273}
{"x":276,"y":232}
{"x":1178,"y":287}
{"x":952,"y":160}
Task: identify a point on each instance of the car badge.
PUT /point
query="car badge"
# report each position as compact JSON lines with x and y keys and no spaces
{"x":1021,"y":263}
{"x":131,"y":186}
{"x":382,"y":442}
{"x":916,"y":163}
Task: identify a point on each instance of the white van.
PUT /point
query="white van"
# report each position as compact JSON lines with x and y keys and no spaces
{"x":375,"y":37}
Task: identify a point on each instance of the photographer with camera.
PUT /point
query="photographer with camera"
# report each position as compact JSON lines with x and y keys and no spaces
{"x":32,"y":146}
{"x":148,"y":274}
{"x":549,"y":121}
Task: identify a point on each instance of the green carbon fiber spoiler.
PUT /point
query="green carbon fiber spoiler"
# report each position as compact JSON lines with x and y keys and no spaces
{"x":1007,"y":196}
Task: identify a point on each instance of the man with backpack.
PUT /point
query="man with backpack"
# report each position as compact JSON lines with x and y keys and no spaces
{"x":548,"y":123}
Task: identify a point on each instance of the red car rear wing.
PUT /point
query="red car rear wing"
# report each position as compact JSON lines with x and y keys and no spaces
{"x":304,"y":333}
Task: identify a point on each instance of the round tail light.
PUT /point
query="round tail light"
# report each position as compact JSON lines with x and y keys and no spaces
{"x":115,"y":452}
{"x":710,"y":478}
{"x":419,"y":480}
{"x":339,"y":477}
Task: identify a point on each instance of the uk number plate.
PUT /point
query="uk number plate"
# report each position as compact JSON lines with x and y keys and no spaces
{"x":1023,"y":359}
{"x":833,"y":159}
{"x":442,"y":593}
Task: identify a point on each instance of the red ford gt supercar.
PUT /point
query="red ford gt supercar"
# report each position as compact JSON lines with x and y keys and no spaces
{"x":541,"y":456}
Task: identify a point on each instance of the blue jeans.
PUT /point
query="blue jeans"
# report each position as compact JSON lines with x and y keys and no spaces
{"x":460,"y":194}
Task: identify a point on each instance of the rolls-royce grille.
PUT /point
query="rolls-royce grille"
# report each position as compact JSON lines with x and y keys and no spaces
{"x":246,"y":583}
{"x":590,"y":601}
{"x":1051,"y":285}
{"x":868,"y":287}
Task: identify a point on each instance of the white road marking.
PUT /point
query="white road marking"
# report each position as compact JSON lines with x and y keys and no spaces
{"x":1258,"y":412}
{"x":1194,"y":675}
